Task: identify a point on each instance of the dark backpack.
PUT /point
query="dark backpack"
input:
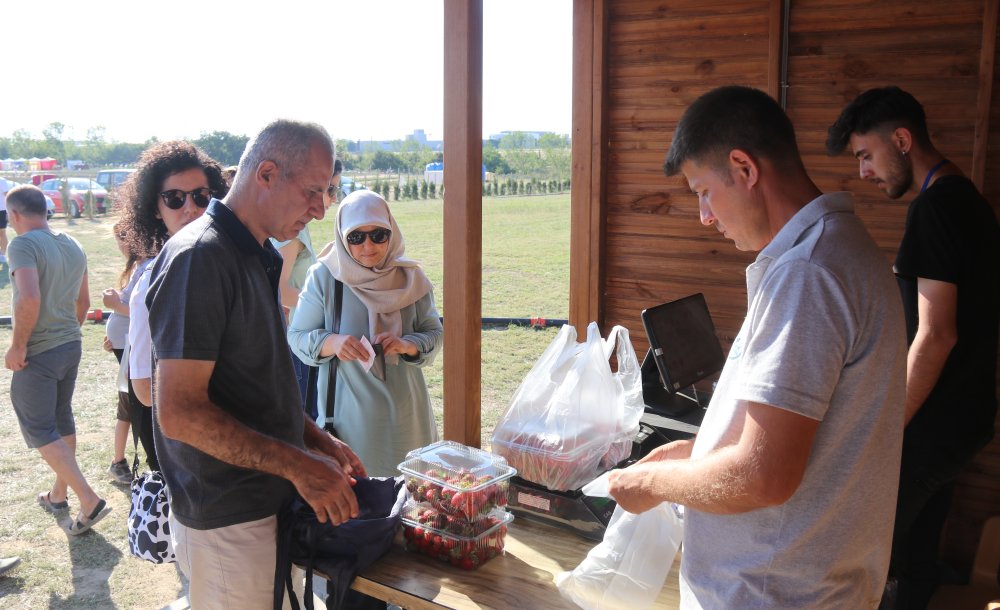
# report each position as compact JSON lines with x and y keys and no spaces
{"x":340,"y":552}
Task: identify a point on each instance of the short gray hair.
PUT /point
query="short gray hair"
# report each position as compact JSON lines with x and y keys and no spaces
{"x":285,"y":142}
{"x":27,"y":199}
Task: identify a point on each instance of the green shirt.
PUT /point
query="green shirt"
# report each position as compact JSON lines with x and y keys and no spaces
{"x":61,"y":264}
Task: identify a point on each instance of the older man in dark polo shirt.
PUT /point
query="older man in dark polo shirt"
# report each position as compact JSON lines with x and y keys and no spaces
{"x":230,"y":434}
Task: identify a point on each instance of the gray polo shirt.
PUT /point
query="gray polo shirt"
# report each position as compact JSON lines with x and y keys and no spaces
{"x":824,"y":338}
{"x":214,"y":296}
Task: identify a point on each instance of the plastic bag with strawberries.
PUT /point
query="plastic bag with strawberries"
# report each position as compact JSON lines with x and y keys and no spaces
{"x":572,"y":417}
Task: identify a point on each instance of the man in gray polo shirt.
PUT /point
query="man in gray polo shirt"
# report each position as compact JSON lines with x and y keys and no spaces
{"x":790,"y":484}
{"x":228,"y":425}
{"x":51,"y":298}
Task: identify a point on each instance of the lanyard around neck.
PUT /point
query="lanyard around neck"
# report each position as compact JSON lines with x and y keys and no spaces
{"x":934,"y":169}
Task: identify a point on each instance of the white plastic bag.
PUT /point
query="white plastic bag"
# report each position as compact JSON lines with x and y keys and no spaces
{"x":626,"y":571}
{"x":572,"y":418}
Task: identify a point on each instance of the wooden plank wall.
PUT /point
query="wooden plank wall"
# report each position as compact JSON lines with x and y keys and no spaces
{"x":662,"y":54}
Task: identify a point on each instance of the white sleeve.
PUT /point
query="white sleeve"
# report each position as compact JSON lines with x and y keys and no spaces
{"x":140,"y":364}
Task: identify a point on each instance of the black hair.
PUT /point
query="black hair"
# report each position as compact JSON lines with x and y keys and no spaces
{"x":728,"y":118}
{"x":138,"y":196}
{"x":876,"y":109}
{"x":27,"y":199}
{"x":338,"y":167}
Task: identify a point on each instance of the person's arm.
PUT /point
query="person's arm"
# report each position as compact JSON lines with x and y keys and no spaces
{"x":112,"y":299}
{"x":186,"y":414}
{"x":289,"y":294}
{"x":937,"y":333}
{"x":420,"y":346}
{"x":27,"y":306}
{"x":140,"y":368}
{"x":318,"y":439}
{"x":83,"y":299}
{"x":761,"y":465}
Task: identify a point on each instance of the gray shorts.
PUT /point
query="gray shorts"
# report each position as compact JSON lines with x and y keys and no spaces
{"x":42,"y":394}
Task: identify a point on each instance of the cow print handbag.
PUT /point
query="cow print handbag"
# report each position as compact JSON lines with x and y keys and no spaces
{"x":149,"y":514}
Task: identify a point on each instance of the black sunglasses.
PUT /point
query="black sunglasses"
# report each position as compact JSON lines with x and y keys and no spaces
{"x":331,"y":191}
{"x":378,"y":236}
{"x":175,"y":198}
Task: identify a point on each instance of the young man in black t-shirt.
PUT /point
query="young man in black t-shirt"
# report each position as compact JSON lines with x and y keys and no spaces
{"x":948,"y":270}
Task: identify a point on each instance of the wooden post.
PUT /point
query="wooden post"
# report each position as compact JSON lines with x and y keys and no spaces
{"x":586,"y":195}
{"x":463,"y":219}
{"x":775,"y":19}
{"x":984,"y":99}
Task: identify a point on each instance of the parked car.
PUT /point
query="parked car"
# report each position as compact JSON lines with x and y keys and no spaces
{"x":111,"y":178}
{"x":50,"y":206}
{"x":348,"y":186}
{"x":78,"y":193}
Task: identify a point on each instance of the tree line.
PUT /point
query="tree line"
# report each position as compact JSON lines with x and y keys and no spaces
{"x":541,"y":159}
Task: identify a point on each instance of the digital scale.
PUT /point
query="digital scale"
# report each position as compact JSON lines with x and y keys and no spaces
{"x":684,"y":349}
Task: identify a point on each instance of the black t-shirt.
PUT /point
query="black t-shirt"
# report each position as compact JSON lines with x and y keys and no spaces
{"x":214,"y":296}
{"x":952,"y":236}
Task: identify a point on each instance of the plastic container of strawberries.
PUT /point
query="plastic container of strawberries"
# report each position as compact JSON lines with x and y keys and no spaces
{"x":457,"y":480}
{"x":463,"y":544}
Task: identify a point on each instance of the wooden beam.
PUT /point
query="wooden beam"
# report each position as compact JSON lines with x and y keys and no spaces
{"x":984,"y":99}
{"x":775,"y":16}
{"x":463,"y":219}
{"x":587,"y":193}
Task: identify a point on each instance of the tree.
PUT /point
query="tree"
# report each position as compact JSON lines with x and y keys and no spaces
{"x":494,"y":161}
{"x":516,"y":140}
{"x":384,"y":161}
{"x":224,"y":147}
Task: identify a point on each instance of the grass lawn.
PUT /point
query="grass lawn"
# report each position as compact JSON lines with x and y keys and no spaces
{"x":525,"y":273}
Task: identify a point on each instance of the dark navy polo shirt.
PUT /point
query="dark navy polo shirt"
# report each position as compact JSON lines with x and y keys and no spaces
{"x":214,"y":296}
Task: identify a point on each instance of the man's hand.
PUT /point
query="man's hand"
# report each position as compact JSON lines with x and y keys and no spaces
{"x":634,"y":488}
{"x":326,"y":487}
{"x":391,"y":344}
{"x":16,"y":358}
{"x":344,"y":455}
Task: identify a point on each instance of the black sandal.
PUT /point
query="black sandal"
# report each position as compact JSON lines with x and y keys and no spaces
{"x":84,"y":523}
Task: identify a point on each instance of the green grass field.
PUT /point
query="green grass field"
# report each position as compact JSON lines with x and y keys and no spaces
{"x":525,"y":273}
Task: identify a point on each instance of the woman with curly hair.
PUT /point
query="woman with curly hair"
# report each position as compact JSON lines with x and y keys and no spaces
{"x":172,"y":186}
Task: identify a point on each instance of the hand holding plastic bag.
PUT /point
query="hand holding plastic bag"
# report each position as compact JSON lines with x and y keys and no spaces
{"x":626,"y":571}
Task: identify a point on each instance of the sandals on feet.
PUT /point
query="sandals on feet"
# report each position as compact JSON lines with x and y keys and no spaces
{"x":84,"y":523}
{"x":53,"y":507}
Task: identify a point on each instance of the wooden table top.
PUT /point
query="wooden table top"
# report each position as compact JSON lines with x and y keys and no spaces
{"x":522,"y":578}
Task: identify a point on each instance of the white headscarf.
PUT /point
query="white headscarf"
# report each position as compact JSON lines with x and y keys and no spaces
{"x":391,"y":285}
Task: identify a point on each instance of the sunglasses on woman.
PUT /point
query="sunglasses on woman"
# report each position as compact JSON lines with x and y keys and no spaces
{"x":175,"y":198}
{"x":378,"y":236}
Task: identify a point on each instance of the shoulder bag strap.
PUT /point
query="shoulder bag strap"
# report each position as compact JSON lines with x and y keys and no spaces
{"x":331,"y":386}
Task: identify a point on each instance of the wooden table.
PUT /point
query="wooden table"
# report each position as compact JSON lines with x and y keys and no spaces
{"x":522,"y":578}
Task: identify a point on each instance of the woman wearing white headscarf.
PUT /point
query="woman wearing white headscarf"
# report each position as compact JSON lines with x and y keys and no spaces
{"x":388,"y":300}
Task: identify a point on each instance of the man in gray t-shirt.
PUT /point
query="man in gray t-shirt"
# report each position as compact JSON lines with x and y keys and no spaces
{"x":48,"y":271}
{"x":790,"y":484}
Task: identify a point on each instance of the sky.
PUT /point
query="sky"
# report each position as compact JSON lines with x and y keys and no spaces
{"x":364,"y":69}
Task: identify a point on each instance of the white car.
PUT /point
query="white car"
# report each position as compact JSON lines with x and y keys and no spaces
{"x":50,"y":206}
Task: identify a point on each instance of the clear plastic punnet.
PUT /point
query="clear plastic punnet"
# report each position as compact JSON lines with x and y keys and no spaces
{"x":457,"y":480}
{"x":452,"y":539}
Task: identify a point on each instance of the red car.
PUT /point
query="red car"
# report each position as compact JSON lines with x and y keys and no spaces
{"x":78,"y":194}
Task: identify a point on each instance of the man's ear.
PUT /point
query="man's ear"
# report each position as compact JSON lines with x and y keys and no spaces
{"x":902,"y":139}
{"x":742,"y":164}
{"x":266,"y":174}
